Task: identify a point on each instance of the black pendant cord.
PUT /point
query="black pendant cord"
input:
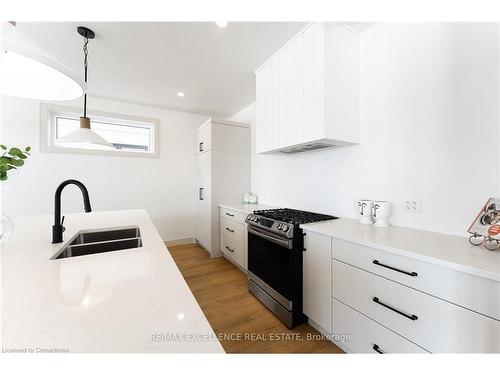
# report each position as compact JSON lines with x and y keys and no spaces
{"x":85,"y":65}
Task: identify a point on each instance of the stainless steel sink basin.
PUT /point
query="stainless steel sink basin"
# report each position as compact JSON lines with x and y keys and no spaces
{"x":100,"y":241}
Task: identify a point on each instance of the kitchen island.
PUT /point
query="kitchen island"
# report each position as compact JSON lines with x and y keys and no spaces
{"x":133,"y":300}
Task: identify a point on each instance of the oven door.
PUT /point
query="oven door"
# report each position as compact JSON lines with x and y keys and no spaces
{"x":270,"y":264}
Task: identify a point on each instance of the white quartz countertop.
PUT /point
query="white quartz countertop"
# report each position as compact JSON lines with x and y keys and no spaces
{"x":441,"y":249}
{"x":246,"y":208}
{"x":133,"y":300}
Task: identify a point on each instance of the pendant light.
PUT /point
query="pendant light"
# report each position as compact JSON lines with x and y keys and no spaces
{"x":27,"y":71}
{"x":84,"y":137}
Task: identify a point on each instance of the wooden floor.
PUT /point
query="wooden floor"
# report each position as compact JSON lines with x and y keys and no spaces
{"x":246,"y":325}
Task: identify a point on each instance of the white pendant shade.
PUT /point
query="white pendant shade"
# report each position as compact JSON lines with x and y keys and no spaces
{"x":27,"y":72}
{"x":85,"y":139}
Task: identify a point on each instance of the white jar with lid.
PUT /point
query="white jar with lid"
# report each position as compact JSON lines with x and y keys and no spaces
{"x":253,"y":198}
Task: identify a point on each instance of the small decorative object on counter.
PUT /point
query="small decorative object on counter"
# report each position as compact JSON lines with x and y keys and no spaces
{"x":381,"y":212}
{"x":254,"y":199}
{"x":365,"y":211}
{"x":6,"y":228}
{"x":246,"y":197}
{"x":485,"y":230}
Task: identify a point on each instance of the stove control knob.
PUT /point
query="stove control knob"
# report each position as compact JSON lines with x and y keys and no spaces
{"x":284,"y":228}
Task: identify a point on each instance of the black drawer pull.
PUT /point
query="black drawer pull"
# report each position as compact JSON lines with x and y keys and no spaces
{"x":228,"y":214}
{"x":377,"y":349}
{"x":229,"y":230}
{"x":231,"y":250}
{"x":394,"y":269}
{"x":200,"y":147}
{"x":411,"y":317}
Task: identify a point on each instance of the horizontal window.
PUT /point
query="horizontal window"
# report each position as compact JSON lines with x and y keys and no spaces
{"x":131,"y":136}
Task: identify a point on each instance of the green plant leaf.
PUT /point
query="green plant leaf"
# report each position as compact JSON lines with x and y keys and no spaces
{"x":12,"y":159}
{"x":17,"y":162}
{"x":5,"y":160}
{"x":14,"y":151}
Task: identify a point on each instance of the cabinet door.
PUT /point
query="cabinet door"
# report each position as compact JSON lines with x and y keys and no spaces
{"x":281,"y":100}
{"x":203,"y":199}
{"x":260,"y":110}
{"x":266,"y":127}
{"x":264,"y":109}
{"x":317,"y":279}
{"x":313,"y":70}
{"x":204,"y":138}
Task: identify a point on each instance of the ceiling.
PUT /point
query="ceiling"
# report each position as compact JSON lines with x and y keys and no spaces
{"x":148,"y":63}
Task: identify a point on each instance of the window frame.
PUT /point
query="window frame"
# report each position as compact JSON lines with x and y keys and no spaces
{"x":48,"y":113}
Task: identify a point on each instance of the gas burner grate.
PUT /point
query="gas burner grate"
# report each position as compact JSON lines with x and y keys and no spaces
{"x":293,"y":216}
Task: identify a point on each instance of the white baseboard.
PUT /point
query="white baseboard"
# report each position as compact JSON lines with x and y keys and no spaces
{"x":180,"y":241}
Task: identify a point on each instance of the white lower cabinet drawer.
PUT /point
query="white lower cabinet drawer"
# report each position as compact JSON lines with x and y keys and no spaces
{"x":434,"y":324}
{"x":457,"y":287}
{"x":232,"y":229}
{"x":233,"y":215}
{"x":365,"y":335}
{"x":232,"y":249}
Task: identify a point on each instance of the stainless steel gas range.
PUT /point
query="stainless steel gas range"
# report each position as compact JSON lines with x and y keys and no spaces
{"x":275,"y":246}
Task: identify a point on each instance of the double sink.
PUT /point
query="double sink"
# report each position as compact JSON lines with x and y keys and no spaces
{"x":89,"y":242}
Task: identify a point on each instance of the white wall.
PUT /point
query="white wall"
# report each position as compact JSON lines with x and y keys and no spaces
{"x":429,"y":125}
{"x":163,"y":186}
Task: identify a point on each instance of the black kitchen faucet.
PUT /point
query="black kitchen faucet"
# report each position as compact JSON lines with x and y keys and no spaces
{"x":57,"y":228}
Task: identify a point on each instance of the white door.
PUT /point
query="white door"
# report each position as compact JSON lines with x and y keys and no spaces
{"x":203,"y":199}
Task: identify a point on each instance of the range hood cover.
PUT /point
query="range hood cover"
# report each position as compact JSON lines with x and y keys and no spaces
{"x":306,"y":147}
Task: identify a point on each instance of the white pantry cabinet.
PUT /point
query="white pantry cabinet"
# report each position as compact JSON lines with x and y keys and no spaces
{"x":204,"y":138}
{"x":222,"y":175}
{"x":307,"y":93}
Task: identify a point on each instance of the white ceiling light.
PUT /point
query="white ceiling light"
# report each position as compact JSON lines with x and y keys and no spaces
{"x":27,"y":72}
{"x":221,"y":24}
{"x":180,"y":94}
{"x":84,"y":137}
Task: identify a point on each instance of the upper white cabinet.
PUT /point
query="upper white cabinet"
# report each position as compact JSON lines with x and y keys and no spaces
{"x":307,"y":93}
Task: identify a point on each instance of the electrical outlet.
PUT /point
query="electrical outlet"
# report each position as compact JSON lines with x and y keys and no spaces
{"x":413,"y":206}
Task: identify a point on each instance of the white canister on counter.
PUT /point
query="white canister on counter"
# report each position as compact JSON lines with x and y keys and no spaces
{"x":246,"y":197}
{"x":365,"y":211}
{"x":381,"y":213}
{"x":253,"y":198}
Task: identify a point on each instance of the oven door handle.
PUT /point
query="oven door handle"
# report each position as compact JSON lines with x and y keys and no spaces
{"x":279,"y":241}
